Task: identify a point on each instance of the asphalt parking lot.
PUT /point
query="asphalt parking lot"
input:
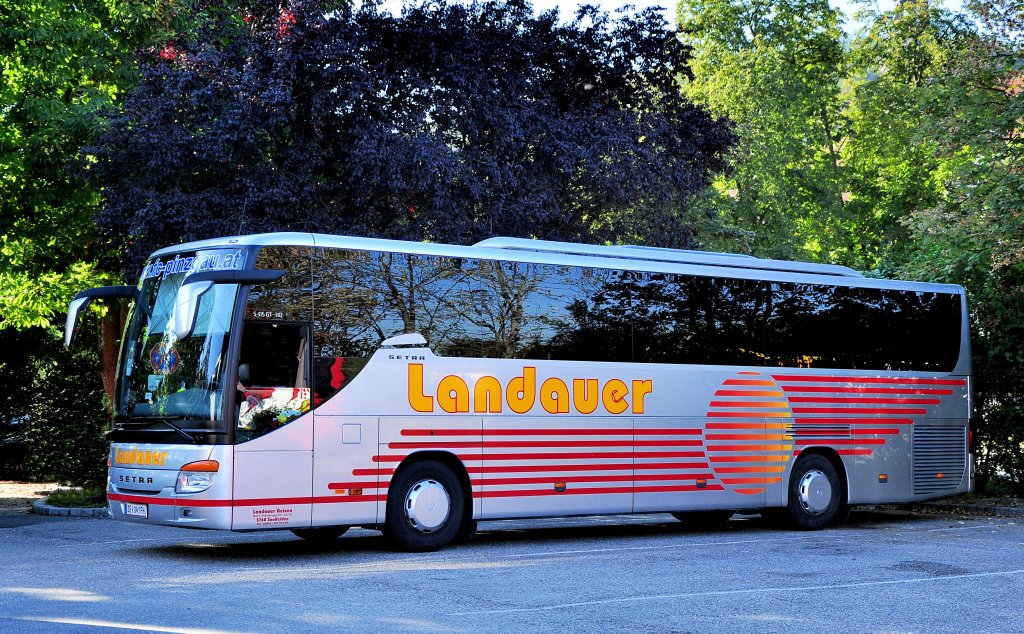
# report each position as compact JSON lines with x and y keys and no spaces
{"x":882,"y":572}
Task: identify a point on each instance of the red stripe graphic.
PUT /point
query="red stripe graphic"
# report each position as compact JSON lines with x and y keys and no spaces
{"x":550,"y":480}
{"x":552,"y":432}
{"x":599,"y":491}
{"x":748,"y":393}
{"x":856,"y":421}
{"x":141,"y":499}
{"x":751,"y":480}
{"x":357,"y":485}
{"x":341,"y":499}
{"x":542,"y":444}
{"x":864,"y":401}
{"x":650,"y":466}
{"x":859,"y":410}
{"x":865,"y":390}
{"x":840,"y":441}
{"x":735,"y":425}
{"x":869,"y":379}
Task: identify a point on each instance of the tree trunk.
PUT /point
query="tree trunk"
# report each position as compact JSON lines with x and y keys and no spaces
{"x":111,"y":328}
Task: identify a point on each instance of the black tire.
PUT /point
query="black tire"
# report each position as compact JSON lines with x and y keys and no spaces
{"x":815,"y":494}
{"x":320,"y":535}
{"x":425,"y":508}
{"x":703,"y":519}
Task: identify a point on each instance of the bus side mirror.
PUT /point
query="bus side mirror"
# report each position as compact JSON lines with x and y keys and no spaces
{"x":82,"y":300}
{"x":186,"y":306}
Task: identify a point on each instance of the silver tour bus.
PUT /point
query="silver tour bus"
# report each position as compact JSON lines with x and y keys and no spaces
{"x":313,"y":382}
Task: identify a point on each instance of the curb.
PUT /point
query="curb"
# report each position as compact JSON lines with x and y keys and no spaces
{"x":40,"y":507}
{"x":969,"y":509}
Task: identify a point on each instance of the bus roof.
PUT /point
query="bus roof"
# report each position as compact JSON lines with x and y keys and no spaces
{"x":625,"y":257}
{"x":656,"y":254}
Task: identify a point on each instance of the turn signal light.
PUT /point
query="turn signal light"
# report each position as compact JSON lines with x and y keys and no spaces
{"x":202,"y":465}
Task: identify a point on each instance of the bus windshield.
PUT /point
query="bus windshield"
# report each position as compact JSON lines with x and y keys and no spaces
{"x":164,"y":377}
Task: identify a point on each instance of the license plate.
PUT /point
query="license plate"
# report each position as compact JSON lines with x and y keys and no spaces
{"x":135,"y":510}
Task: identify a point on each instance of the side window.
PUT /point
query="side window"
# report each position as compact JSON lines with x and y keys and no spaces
{"x":906,"y":330}
{"x":584,"y":316}
{"x":273,"y":377}
{"x":808,"y":326}
{"x":274,"y":363}
{"x":522,"y":310}
{"x":700,"y":320}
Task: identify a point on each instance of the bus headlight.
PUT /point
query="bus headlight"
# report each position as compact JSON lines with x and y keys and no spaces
{"x":196,"y":477}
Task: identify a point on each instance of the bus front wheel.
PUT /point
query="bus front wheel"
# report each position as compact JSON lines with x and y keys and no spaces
{"x":425,"y":507}
{"x":815,"y":493}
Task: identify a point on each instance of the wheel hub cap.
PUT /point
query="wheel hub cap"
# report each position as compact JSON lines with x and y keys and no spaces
{"x":815,"y":492}
{"x":427,"y":505}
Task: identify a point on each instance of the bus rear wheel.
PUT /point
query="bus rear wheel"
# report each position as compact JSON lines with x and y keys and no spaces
{"x":815,"y":493}
{"x":320,"y":535}
{"x":425,"y":507}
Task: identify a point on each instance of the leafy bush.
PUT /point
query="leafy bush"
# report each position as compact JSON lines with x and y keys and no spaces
{"x":64,"y":431}
{"x":78,"y":498}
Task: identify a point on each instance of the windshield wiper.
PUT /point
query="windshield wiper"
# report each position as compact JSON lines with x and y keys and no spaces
{"x":139,"y":422}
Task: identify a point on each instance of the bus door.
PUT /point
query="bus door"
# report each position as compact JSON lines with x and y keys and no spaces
{"x":274,"y":427}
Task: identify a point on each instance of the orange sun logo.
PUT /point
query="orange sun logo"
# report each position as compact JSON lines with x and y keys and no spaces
{"x":748,"y":434}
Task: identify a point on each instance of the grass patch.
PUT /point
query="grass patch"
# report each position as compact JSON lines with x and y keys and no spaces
{"x":78,"y":498}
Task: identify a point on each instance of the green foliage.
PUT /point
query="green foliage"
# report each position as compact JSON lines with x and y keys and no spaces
{"x":67,"y":416}
{"x":891,"y":154}
{"x":61,"y":65}
{"x":925,"y":147}
{"x":973,"y":234}
{"x":78,"y":498}
{"x":774,"y":68}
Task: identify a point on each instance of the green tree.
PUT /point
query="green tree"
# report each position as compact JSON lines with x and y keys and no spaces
{"x":974,"y":233}
{"x":66,"y":416}
{"x":774,"y":67}
{"x":61,"y":63}
{"x":892,"y":154}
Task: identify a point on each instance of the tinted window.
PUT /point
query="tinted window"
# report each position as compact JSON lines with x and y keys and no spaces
{"x":579,"y":314}
{"x":486,"y":309}
{"x":904,"y":330}
{"x":289,"y":298}
{"x":808,"y":326}
{"x":688,"y":319}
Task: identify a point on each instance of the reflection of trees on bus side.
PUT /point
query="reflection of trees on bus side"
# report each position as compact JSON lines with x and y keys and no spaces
{"x":905,"y":330}
{"x":598,"y":326}
{"x":808,"y":326}
{"x":363,"y":298}
{"x":489,"y":302}
{"x":685,"y":319}
{"x":517,"y":310}
{"x":468,"y":308}
{"x":486,"y":309}
{"x":289,"y":298}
